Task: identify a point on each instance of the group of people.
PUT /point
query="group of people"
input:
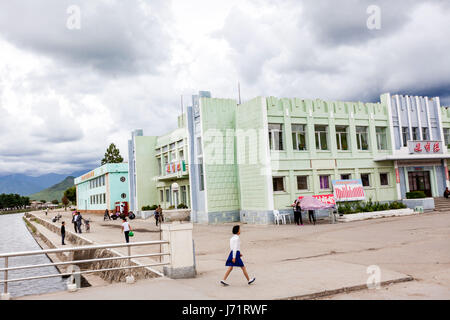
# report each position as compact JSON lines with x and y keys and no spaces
{"x":298,"y":214}
{"x":77,"y":220}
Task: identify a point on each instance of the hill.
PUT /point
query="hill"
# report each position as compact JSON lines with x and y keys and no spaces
{"x":25,"y":185}
{"x":55,"y":192}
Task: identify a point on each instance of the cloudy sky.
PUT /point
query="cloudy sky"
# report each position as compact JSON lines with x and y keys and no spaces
{"x":66,"y":93}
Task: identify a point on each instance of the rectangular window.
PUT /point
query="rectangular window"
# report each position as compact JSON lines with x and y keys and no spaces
{"x":172,"y":146}
{"x":384,"y":179}
{"x":199,"y":146}
{"x":173,"y":156}
{"x":447,"y":137}
{"x":345,"y":176}
{"x":167,"y":195}
{"x":161,"y":195}
{"x":362,"y":140}
{"x":276,"y":136}
{"x":299,"y":137}
{"x":381,"y":138}
{"x":341,"y":138}
{"x":365,"y":178}
{"x":425,"y":135}
{"x":321,"y":135}
{"x":415,"y":132}
{"x":278,"y":184}
{"x":183,"y":195}
{"x":201,"y":175}
{"x":302,"y":182}
{"x":324,"y":182}
{"x":181,"y":153}
{"x":405,"y":135}
{"x":159,"y":166}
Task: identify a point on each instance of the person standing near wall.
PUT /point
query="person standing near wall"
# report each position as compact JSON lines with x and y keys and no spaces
{"x":298,"y":213}
{"x":74,"y":221}
{"x":63,"y":232}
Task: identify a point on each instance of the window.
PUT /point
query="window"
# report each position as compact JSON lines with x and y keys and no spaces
{"x":181,"y":154}
{"x":167,"y":195}
{"x":161,"y":195}
{"x":278,"y":184}
{"x":172,"y":146}
{"x":299,"y":137}
{"x":425,"y":135}
{"x":183,"y":195}
{"x":345,"y":176}
{"x":384,"y":179}
{"x":104,"y":198}
{"x":321,"y":133}
{"x":381,"y":138}
{"x":166,"y":161}
{"x":447,"y":137}
{"x":201,"y":175}
{"x":324,"y":182}
{"x":159,"y":166}
{"x":362,"y":141}
{"x":302,"y":182}
{"x":365,"y":178}
{"x":405,"y":135}
{"x":415,"y":132}
{"x":173,"y":156}
{"x":199,"y":146}
{"x":341,"y":138}
{"x":276,"y":136}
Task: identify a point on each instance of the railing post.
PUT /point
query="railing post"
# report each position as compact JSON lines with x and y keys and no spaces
{"x":5,"y":295}
{"x":129,"y":279}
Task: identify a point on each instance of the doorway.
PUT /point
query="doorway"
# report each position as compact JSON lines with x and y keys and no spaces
{"x":420,"y":181}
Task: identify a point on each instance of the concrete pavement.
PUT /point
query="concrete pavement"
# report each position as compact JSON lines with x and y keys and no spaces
{"x":291,"y":261}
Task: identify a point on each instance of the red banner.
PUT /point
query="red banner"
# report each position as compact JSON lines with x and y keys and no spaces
{"x":325,"y":198}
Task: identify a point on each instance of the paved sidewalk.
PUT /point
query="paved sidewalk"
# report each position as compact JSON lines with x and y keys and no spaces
{"x":289,"y":261}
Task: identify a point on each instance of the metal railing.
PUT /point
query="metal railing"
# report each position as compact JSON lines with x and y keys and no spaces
{"x":6,"y":257}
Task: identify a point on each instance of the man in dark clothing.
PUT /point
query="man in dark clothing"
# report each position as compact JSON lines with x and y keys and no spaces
{"x":63,"y":232}
{"x":312,"y":215}
{"x":106,"y":216}
{"x":298,"y":213}
{"x":79,"y":221}
{"x":446,"y":193}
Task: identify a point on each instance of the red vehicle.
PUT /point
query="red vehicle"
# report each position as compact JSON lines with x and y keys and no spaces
{"x":124,"y":205}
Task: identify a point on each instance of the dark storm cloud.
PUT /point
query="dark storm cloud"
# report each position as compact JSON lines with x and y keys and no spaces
{"x":117,"y":37}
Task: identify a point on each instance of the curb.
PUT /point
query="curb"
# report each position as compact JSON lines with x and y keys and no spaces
{"x":327,"y":293}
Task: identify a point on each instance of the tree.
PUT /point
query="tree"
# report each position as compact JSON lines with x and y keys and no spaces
{"x":65,"y":202}
{"x":55,"y":202}
{"x":71,"y":194}
{"x":43,"y":201}
{"x":112,"y":155}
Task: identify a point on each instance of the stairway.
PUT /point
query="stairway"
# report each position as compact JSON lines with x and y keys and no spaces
{"x":441,"y":204}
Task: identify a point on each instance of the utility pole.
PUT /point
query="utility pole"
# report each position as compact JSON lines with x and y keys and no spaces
{"x":239,"y":91}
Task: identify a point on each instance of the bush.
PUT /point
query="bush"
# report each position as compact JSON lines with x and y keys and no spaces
{"x":149,"y":208}
{"x":397,"y":205}
{"x":182,"y":206}
{"x":369,"y":206}
{"x":171,"y":208}
{"x":415,"y":195}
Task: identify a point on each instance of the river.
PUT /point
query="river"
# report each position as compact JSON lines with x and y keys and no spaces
{"x":15,"y":237}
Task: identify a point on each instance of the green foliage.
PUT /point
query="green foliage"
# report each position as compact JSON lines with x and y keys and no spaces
{"x":112,"y":155}
{"x":149,"y":208}
{"x":55,"y":201}
{"x":71,"y":194}
{"x":182,"y":206}
{"x":54,"y":192}
{"x":13,"y":201}
{"x":171,"y":208}
{"x":65,"y":201}
{"x":415,"y":195}
{"x":369,"y":206}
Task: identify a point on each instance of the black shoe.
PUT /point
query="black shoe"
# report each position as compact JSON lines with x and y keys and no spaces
{"x":252,"y":280}
{"x":224,"y":283}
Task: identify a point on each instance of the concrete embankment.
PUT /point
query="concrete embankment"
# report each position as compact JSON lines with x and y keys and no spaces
{"x":76,"y":240}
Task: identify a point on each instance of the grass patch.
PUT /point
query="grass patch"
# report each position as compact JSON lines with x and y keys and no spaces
{"x":29,"y":225}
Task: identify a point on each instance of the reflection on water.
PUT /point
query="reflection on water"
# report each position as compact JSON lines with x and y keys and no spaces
{"x":14,"y":237}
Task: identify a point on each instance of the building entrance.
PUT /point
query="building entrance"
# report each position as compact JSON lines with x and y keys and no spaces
{"x":420,"y":181}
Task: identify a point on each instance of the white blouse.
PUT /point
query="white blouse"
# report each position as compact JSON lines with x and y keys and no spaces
{"x":235,"y":245}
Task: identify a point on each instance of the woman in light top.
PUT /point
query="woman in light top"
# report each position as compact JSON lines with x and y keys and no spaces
{"x":234,"y":258}
{"x":126,"y":229}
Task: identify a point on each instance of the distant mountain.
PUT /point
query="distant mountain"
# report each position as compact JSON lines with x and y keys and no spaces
{"x":25,"y":185}
{"x":55,"y":192}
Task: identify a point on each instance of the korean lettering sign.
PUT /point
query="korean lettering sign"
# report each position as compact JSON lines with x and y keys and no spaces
{"x":425,"y":147}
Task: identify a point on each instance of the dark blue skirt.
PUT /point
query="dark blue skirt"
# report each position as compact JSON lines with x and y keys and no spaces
{"x":238,"y":260}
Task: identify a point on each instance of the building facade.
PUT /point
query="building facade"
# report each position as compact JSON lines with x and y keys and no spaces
{"x":247,"y":160}
{"x":159,"y":170}
{"x":102,"y":187}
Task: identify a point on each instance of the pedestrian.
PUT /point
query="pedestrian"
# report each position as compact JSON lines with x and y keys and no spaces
{"x":298,"y":213}
{"x":79,"y":221}
{"x":234,"y":258}
{"x":161,"y":216}
{"x":106,"y":216}
{"x":46,"y":211}
{"x":156,"y":214}
{"x":446,"y":193}
{"x":63,"y":232}
{"x":312,"y":216}
{"x":74,"y":221}
{"x":126,"y":229}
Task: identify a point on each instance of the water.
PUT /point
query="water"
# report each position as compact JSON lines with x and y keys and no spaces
{"x":15,"y":237}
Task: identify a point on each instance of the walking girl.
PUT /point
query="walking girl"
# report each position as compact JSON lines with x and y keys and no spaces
{"x":126,"y":229}
{"x":234,"y":258}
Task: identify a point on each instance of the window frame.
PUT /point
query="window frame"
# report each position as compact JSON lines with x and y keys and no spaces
{"x":328,"y":182}
{"x":283,"y":183}
{"x":359,"y":136}
{"x":368,"y":179}
{"x":295,"y":136}
{"x":276,"y":132}
{"x":306,"y":180}
{"x":383,"y":135}
{"x":318,"y":139}
{"x":387,"y":178}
